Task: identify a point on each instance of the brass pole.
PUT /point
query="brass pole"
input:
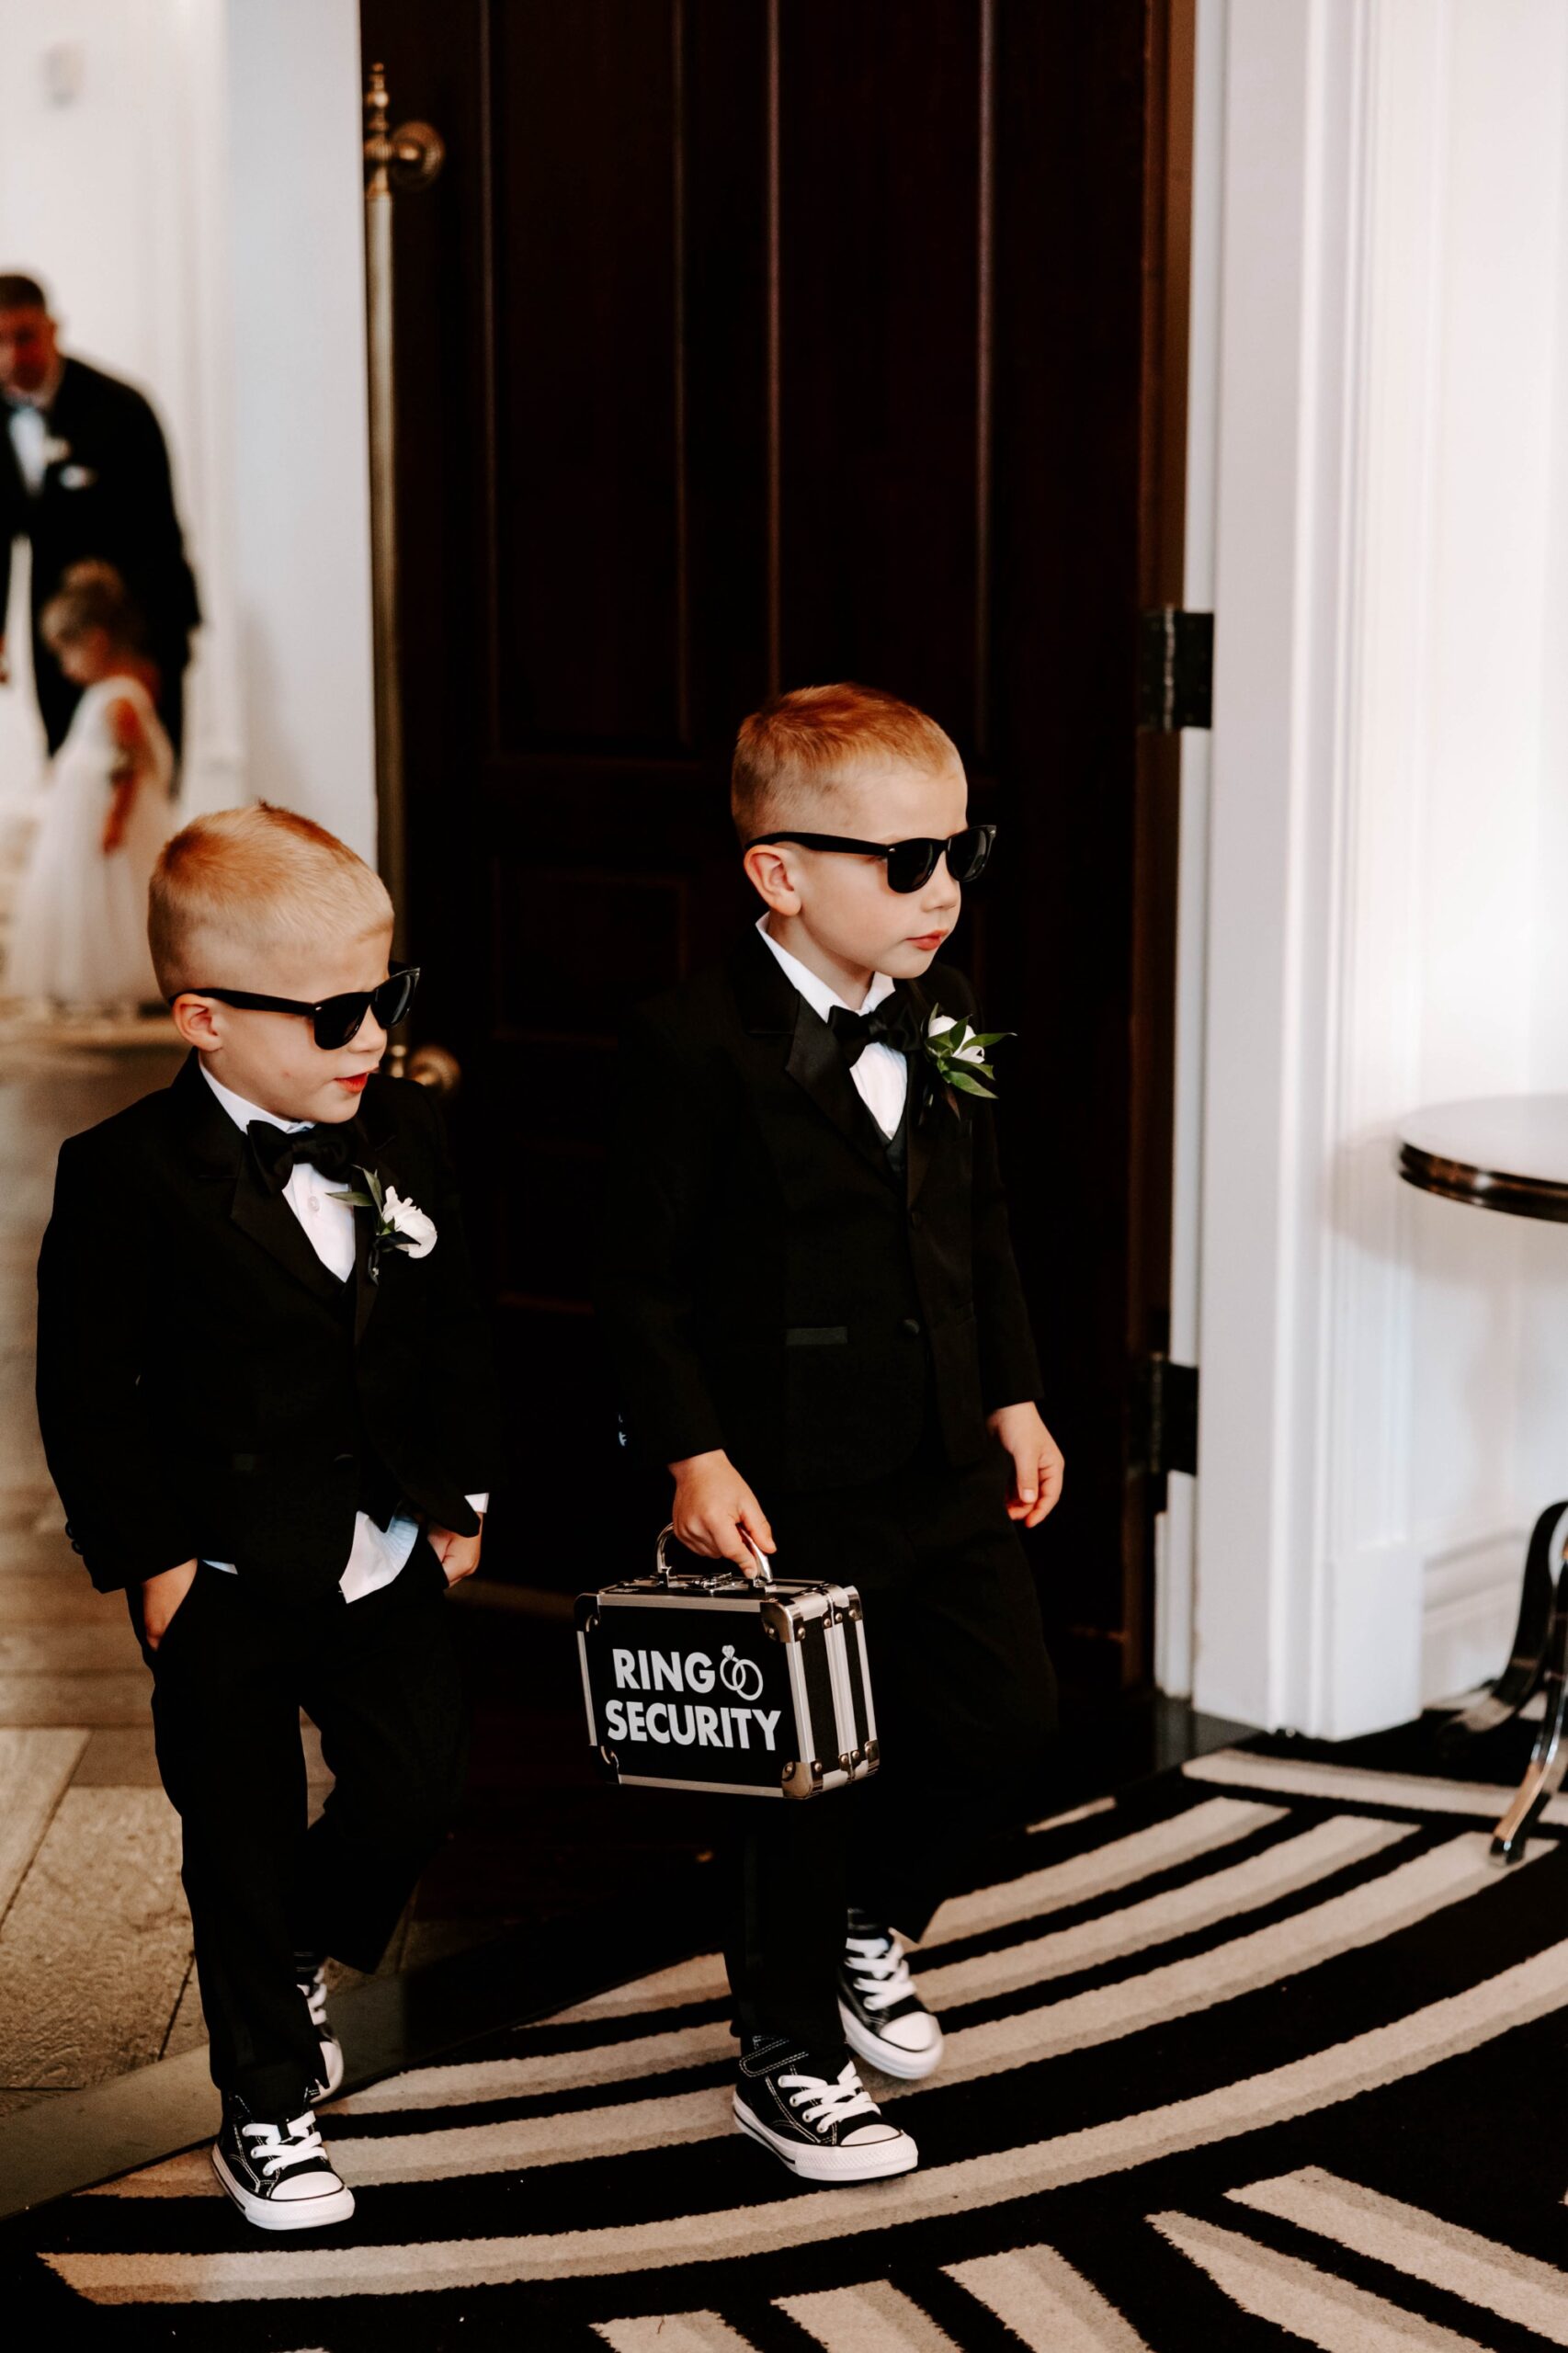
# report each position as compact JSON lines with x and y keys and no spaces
{"x":408,"y":158}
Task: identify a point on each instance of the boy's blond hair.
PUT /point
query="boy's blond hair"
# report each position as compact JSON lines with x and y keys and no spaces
{"x":786,"y":754}
{"x":260,"y":881}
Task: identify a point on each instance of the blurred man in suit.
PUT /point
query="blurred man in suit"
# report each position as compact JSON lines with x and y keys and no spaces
{"x":85,"y":472}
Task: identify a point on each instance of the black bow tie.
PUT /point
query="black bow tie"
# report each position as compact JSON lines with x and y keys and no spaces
{"x":894,"y":1023}
{"x":332,"y":1150}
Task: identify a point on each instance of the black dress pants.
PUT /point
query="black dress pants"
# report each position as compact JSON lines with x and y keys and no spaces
{"x":379,"y":1679}
{"x":965,"y":1699}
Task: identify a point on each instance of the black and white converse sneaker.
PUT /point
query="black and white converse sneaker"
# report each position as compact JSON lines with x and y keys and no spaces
{"x":277,"y":2171}
{"x":816,"y":2117}
{"x":885,"y":2021}
{"x":311,"y":1977}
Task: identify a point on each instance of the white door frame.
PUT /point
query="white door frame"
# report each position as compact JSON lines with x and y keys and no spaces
{"x":1387,"y":496}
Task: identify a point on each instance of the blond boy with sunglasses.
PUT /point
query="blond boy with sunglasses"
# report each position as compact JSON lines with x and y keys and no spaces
{"x":810,"y":1294}
{"x":264,"y":1397}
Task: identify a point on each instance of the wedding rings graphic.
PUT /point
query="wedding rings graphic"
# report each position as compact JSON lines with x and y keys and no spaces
{"x":741,"y":1676}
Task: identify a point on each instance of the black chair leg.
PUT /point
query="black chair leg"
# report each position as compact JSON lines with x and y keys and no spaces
{"x":1549,"y":1760}
{"x":1521,"y":1679}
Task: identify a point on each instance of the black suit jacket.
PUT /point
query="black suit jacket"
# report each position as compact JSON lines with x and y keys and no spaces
{"x":109,"y":497}
{"x":768,"y":1283}
{"x":208,"y":1389}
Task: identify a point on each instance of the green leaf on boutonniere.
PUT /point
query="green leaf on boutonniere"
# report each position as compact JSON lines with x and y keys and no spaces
{"x":958,"y":1053}
{"x":401,"y":1226}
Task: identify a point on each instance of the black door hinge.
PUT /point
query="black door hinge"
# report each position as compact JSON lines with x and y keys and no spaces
{"x":1164,"y":1435}
{"x":1175,"y":669}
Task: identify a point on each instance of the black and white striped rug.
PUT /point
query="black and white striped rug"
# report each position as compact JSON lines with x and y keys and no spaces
{"x":1264,"y":2055}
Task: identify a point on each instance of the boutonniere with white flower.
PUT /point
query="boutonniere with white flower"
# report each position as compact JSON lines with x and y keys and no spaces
{"x":55,"y":452}
{"x":958,"y":1054}
{"x":399,"y":1226}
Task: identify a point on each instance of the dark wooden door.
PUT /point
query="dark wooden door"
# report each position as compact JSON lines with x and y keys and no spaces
{"x":743,"y":344}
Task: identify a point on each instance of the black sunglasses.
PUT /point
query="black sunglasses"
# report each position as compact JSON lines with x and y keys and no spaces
{"x":338,"y":1020}
{"x":910,"y":864}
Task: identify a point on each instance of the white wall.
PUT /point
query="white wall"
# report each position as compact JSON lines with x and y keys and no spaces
{"x":1385,"y":1377}
{"x":301,"y":471}
{"x":93,"y":191}
{"x":195,"y":208}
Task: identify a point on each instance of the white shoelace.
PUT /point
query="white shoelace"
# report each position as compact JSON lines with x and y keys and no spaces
{"x":274,"y":2146}
{"x":825,"y":2102}
{"x":879,"y":1970}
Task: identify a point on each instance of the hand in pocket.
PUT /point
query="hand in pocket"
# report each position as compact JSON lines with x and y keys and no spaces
{"x":161,"y":1599}
{"x":458,"y":1555}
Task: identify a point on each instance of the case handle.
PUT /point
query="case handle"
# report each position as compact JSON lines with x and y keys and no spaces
{"x":670,"y":1576}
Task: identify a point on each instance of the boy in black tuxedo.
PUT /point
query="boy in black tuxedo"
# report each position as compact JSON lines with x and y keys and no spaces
{"x":267,"y":1412}
{"x":810,"y":1292}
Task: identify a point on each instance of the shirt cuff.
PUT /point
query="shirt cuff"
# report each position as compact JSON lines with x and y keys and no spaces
{"x":481,"y":1504}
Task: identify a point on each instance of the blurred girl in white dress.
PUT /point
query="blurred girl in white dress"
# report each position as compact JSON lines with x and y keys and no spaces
{"x":80,"y":935}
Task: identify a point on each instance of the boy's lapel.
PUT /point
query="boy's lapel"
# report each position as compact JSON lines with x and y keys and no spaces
{"x":368,"y":1290}
{"x":771,"y":1006}
{"x":924,"y":1104}
{"x":220,"y":1155}
{"x":816,"y":1062}
{"x":268,"y":1219}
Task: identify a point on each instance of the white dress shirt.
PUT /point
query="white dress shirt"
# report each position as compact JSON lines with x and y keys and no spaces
{"x":378,"y":1554}
{"x":29,"y":439}
{"x":880,"y":1072}
{"x":27,"y":421}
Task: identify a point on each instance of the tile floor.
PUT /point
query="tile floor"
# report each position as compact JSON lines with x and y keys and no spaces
{"x":95,"y":1946}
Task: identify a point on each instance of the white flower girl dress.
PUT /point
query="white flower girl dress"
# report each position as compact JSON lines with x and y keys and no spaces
{"x":80,"y":934}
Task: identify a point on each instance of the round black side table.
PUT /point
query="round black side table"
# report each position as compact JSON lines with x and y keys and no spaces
{"x":1509,"y":1154}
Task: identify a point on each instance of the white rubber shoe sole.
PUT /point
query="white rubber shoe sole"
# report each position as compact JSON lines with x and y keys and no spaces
{"x":909,"y":2067}
{"x":289,"y":2213}
{"x":873,"y":2160}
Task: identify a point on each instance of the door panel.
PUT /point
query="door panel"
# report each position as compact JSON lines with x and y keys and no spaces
{"x":880,"y":300}
{"x":587,"y":464}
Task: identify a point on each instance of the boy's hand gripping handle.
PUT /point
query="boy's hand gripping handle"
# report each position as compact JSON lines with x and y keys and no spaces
{"x":669,"y":1574}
